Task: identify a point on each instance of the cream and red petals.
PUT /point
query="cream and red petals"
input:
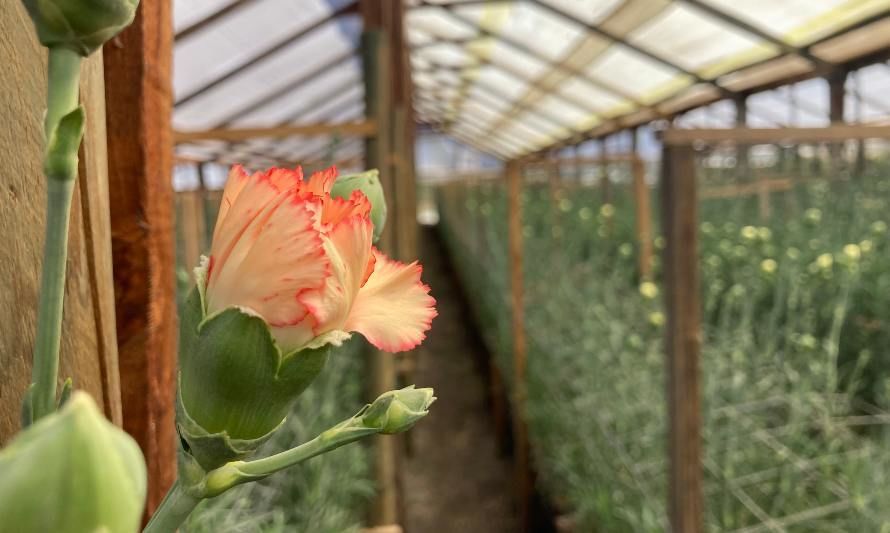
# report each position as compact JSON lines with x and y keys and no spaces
{"x":394,"y":309}
{"x":284,"y":249}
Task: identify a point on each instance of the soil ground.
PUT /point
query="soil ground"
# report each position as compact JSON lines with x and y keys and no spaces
{"x":455,"y":481}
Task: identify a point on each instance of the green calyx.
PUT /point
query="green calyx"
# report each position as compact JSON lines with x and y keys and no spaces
{"x":397,"y":411}
{"x":80,"y":25}
{"x":368,"y":183}
{"x":72,"y":471}
{"x":235,"y":385}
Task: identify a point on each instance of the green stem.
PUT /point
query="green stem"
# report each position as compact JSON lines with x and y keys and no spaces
{"x":62,"y":98}
{"x":238,"y":472}
{"x":177,"y":505}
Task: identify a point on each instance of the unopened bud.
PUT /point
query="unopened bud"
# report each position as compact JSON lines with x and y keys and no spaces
{"x":70,"y":472}
{"x":369,"y":184}
{"x":397,"y":411}
{"x":81,"y":25}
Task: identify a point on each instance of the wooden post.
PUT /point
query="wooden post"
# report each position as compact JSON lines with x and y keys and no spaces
{"x":520,"y":430}
{"x":683,"y":338}
{"x":376,"y":58}
{"x":89,"y":348}
{"x":192,"y":226}
{"x":140,"y":161}
{"x":742,"y":150}
{"x":644,"y":211}
{"x":763,"y":197}
{"x":836,"y":92}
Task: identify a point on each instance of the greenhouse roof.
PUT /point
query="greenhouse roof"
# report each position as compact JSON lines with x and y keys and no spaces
{"x":507,"y":77}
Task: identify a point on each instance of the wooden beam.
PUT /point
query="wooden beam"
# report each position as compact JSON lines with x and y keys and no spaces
{"x":832,"y":133}
{"x":139,"y":93}
{"x":746,"y":189}
{"x":682,"y":338}
{"x":365,"y":128}
{"x":521,"y":452}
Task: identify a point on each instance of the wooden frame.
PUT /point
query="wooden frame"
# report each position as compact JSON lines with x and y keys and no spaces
{"x":138,"y":93}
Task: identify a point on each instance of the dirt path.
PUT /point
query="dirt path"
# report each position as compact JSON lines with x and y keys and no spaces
{"x":456,"y":482}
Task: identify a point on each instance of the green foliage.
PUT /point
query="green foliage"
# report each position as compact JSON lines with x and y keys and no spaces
{"x":327,"y":494}
{"x":795,"y":325}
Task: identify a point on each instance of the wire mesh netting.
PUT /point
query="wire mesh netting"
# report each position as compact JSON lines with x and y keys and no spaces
{"x":793,"y":256}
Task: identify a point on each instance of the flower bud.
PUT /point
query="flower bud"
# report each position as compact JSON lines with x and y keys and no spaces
{"x":369,"y":184}
{"x":81,"y":25}
{"x":70,"y":472}
{"x":396,"y":411}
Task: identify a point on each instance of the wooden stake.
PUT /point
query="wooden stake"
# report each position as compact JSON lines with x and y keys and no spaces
{"x":520,"y":430}
{"x":643,"y":218}
{"x":139,"y":93}
{"x":192,"y":226}
{"x":683,"y":338}
{"x":378,"y":105}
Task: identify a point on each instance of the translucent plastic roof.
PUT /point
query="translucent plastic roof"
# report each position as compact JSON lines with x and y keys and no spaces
{"x":264,"y":63}
{"x":529,"y":75}
{"x":507,"y":77}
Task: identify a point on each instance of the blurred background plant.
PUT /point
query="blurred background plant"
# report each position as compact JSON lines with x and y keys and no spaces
{"x":795,"y":387}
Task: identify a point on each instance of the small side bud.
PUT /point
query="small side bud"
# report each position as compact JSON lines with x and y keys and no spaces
{"x":80,"y":25}
{"x":397,"y":411}
{"x":72,"y":471}
{"x":369,"y":184}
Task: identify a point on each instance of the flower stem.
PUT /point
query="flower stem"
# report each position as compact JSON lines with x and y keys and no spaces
{"x":62,"y":98}
{"x":238,"y":472}
{"x":177,"y":505}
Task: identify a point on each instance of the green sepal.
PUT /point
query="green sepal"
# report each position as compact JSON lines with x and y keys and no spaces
{"x":80,"y":25}
{"x":234,"y":380}
{"x":27,"y":417}
{"x":63,"y":144}
{"x":65,"y":394}
{"x":212,"y":450}
{"x":368,"y":183}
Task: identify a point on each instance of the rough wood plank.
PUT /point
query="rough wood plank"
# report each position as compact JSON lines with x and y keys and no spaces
{"x":683,"y":338}
{"x":140,"y":149}
{"x":97,"y":229}
{"x":22,"y":220}
{"x":521,"y":453}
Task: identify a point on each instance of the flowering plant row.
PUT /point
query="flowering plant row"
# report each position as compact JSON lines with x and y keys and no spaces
{"x":292,"y":273}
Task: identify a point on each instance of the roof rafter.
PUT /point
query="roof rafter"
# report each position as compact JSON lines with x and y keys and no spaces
{"x":605,"y":86}
{"x":754,"y":30}
{"x":350,"y":8}
{"x":287,"y":89}
{"x":209,"y":20}
{"x":653,"y":56}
